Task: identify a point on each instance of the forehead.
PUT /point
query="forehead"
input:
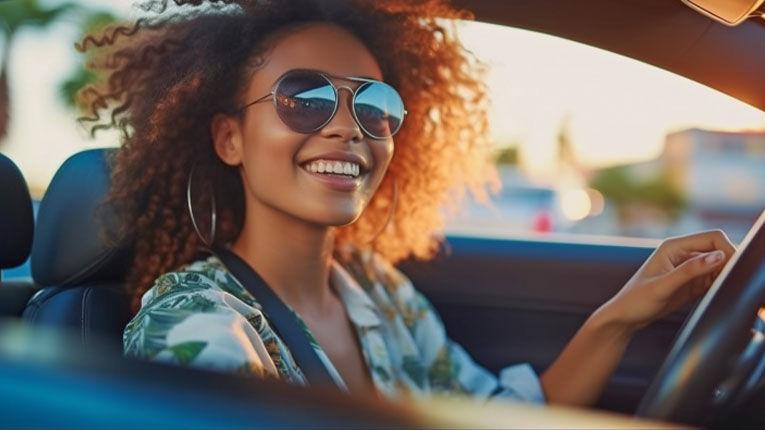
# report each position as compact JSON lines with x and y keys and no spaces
{"x":322,"y":47}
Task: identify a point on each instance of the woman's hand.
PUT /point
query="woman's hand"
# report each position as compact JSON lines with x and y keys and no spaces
{"x":680,"y":270}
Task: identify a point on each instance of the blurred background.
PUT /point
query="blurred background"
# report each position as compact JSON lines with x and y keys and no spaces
{"x":592,"y":143}
{"x":588,"y":143}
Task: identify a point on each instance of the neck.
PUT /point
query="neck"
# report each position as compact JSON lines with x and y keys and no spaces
{"x":291,"y":255}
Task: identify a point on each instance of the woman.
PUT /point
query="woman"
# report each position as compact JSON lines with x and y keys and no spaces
{"x":267,"y":128}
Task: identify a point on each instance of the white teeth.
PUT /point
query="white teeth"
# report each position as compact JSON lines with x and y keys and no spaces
{"x":333,"y":166}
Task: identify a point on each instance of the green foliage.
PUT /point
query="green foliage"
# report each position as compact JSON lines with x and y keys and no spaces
{"x":619,"y":187}
{"x":72,"y":85}
{"x":615,"y":185}
{"x":507,"y":155}
{"x":82,"y":77}
{"x":17,"y":14}
{"x":13,"y":16}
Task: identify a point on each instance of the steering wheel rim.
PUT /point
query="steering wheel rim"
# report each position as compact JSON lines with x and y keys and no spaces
{"x":716,"y":330}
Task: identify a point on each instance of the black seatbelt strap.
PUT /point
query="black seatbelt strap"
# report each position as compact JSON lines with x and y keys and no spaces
{"x":281,"y":317}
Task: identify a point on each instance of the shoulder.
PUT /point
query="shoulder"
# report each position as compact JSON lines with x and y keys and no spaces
{"x":205,"y":277}
{"x":198,"y":290}
{"x":198,"y":313}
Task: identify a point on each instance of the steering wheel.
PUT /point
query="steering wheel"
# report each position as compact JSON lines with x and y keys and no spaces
{"x":697,"y":372}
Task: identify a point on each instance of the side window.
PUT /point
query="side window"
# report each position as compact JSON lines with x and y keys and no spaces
{"x":587,"y":142}
{"x":590,"y":142}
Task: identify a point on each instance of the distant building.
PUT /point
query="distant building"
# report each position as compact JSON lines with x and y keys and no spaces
{"x":720,"y":172}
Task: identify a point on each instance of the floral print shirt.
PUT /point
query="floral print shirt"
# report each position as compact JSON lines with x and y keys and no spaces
{"x":201,"y":316}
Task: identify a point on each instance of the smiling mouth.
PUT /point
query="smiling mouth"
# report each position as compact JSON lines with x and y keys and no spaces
{"x":343,"y":176}
{"x":345,"y":169}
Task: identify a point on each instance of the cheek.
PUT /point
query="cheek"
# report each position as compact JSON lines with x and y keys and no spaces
{"x":268,"y":154}
{"x":382,"y":151}
{"x":385,"y":151}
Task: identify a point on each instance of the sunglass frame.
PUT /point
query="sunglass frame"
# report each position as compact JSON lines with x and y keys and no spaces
{"x":328,"y":77}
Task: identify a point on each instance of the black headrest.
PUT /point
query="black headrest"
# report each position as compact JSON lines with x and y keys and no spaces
{"x":16,"y":216}
{"x":69,"y":246}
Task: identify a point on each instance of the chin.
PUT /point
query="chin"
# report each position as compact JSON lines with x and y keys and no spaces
{"x":341,"y":220}
{"x":333,"y":218}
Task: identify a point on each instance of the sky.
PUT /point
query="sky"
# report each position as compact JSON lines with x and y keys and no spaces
{"x":617,"y":110}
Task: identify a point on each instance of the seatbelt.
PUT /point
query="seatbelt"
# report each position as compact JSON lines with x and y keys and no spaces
{"x":284,"y":320}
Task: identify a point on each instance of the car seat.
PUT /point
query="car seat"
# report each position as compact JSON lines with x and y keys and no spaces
{"x":81,"y":276}
{"x":16,"y":231}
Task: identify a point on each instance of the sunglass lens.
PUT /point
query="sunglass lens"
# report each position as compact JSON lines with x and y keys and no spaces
{"x":304,"y":101}
{"x":379,"y":109}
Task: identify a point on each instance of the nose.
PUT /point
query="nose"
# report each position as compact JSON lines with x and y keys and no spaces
{"x":343,"y":125}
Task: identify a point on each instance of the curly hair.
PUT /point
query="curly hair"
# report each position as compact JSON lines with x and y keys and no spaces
{"x":167,"y":75}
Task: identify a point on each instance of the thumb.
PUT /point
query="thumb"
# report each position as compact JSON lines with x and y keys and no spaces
{"x":695,"y":267}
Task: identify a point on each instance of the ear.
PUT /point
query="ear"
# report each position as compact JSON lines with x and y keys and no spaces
{"x":227,"y":139}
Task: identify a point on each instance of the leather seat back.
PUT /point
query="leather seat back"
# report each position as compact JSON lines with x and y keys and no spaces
{"x":16,"y":231}
{"x":81,"y":275}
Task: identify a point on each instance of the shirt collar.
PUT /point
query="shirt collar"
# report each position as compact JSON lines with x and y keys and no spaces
{"x":362,"y":311}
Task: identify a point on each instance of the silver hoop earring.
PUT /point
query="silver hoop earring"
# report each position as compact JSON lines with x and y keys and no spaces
{"x":391,"y":212}
{"x":213,"y":215}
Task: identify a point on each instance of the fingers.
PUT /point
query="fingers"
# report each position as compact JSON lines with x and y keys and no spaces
{"x":706,"y":266}
{"x":700,"y":242}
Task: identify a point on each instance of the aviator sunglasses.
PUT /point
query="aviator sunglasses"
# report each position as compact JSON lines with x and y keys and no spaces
{"x":307,"y":100}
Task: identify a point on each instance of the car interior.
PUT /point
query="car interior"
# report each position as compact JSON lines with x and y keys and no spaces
{"x":505,"y":300}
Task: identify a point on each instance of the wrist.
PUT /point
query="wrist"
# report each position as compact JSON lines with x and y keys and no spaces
{"x":609,"y":321}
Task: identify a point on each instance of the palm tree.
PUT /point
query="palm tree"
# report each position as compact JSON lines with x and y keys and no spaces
{"x":18,"y":14}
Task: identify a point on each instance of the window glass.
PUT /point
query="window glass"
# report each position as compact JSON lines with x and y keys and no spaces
{"x":590,"y":142}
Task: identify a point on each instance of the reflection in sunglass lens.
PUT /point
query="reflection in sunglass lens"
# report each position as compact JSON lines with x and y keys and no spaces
{"x":305,"y":101}
{"x":379,"y":109}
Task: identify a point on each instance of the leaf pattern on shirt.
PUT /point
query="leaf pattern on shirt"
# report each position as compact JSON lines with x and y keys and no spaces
{"x":151,"y":330}
{"x":165,"y":282}
{"x":415,"y":370}
{"x":186,"y":352}
{"x":272,"y":346}
{"x":409,"y":333}
{"x":353,"y":261}
{"x":190,"y":302}
{"x":382,"y":372}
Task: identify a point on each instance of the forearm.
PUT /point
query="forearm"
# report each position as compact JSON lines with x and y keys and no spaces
{"x":581,"y":371}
